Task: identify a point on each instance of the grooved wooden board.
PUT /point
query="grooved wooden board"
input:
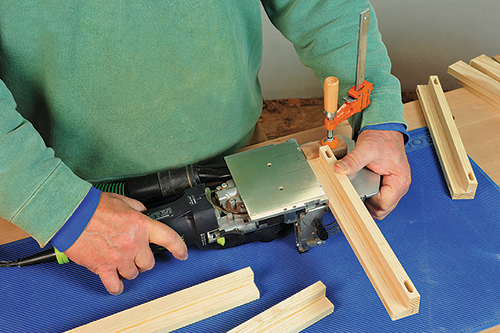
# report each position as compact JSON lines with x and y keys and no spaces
{"x":487,"y":65}
{"x":387,"y":275}
{"x":476,"y":81}
{"x":291,"y":315}
{"x":455,"y":164}
{"x":182,"y":308}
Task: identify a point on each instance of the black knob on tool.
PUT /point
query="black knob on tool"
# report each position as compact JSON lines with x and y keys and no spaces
{"x":320,"y":230}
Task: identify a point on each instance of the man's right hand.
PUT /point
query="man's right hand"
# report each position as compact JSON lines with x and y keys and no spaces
{"x":384,"y":153}
{"x":115,"y":243}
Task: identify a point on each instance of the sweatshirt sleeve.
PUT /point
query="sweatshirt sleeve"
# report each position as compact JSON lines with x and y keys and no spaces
{"x":38,"y":192}
{"x":325,"y":36}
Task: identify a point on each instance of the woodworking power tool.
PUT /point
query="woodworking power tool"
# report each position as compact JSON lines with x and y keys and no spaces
{"x":251,"y":197}
{"x":358,"y":96}
{"x":254,"y":194}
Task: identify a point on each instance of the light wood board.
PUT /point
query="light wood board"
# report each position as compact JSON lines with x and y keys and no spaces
{"x":182,"y":308}
{"x":476,"y":81}
{"x":495,"y":329}
{"x":392,"y":284}
{"x":478,"y":122}
{"x":453,"y":158}
{"x":487,"y":65}
{"x":291,"y":315}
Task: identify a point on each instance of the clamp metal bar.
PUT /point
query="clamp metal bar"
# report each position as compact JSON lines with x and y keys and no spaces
{"x":362,"y":45}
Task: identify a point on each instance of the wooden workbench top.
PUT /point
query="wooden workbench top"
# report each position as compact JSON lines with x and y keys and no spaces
{"x":477,"y":121}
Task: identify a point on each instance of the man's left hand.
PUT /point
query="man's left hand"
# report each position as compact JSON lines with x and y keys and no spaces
{"x":384,"y":153}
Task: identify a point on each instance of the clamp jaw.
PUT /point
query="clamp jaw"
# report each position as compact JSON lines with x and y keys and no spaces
{"x":356,"y":101}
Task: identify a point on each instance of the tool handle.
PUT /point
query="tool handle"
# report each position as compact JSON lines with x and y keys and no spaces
{"x":331,"y":94}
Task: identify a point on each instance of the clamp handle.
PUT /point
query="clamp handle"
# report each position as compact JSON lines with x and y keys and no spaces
{"x":331,"y":95}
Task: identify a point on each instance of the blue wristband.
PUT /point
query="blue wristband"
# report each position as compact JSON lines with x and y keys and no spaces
{"x":398,"y":127}
{"x":75,"y":225}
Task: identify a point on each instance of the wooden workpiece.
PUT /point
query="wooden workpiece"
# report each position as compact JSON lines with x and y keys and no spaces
{"x":291,"y":315}
{"x":479,"y":83}
{"x":182,"y":308}
{"x":487,"y":65}
{"x":497,"y":58}
{"x":450,"y":150}
{"x":477,"y":121}
{"x":392,"y":284}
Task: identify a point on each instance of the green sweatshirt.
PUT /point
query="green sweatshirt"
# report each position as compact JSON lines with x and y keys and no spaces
{"x":123,"y":88}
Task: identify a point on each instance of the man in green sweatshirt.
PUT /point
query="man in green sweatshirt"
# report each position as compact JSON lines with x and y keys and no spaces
{"x":126,"y":88}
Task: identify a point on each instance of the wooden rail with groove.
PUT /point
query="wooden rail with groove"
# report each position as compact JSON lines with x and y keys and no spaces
{"x":181,"y":308}
{"x":476,"y":81}
{"x":387,"y":275}
{"x":450,"y":150}
{"x":487,"y":65}
{"x":291,"y":315}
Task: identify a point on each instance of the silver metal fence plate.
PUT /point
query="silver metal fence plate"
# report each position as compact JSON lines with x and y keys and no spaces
{"x":274,"y":179}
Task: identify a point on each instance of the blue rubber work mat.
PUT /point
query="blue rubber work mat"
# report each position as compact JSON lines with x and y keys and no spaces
{"x":449,"y":248}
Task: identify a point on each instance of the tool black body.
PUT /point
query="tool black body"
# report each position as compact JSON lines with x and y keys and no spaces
{"x":194,"y":218}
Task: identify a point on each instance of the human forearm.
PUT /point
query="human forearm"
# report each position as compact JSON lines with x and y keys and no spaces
{"x":38,"y":192}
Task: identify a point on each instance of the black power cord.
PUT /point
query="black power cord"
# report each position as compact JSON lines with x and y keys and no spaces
{"x":49,"y":255}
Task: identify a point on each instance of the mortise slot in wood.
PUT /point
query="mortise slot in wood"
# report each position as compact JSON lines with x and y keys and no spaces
{"x":447,"y":142}
{"x":381,"y":265}
{"x":328,"y":153}
{"x":311,"y":149}
{"x":182,"y":308}
{"x":409,"y":286}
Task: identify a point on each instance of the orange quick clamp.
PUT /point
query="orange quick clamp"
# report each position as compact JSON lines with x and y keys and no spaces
{"x":356,"y":102}
{"x":358,"y":96}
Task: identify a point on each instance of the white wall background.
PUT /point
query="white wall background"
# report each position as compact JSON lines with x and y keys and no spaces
{"x":423,"y":37}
